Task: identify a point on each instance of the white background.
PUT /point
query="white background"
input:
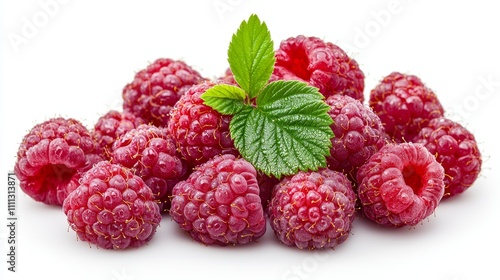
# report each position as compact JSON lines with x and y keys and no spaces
{"x":73,"y":58}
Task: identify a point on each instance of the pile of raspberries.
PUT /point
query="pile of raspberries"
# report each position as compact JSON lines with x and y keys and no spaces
{"x":393,"y":159}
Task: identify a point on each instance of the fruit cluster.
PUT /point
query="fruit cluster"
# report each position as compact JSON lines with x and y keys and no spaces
{"x":177,"y":150}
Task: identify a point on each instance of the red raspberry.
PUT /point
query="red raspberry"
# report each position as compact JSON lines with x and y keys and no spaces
{"x":155,"y":89}
{"x":405,"y":105}
{"x":321,"y":64}
{"x":151,"y":154}
{"x":400,"y":185}
{"x":199,"y":131}
{"x":456,"y":149}
{"x":227,"y":78}
{"x":52,"y":157}
{"x":112,"y":208}
{"x":359,"y":133}
{"x":111,"y":126}
{"x":219,"y":203}
{"x":266,"y":185}
{"x":313,"y":210}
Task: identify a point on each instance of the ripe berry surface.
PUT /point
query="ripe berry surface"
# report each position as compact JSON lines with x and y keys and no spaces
{"x":321,"y":64}
{"x":404,"y":105}
{"x":156,"y":88}
{"x":111,"y":126}
{"x":151,"y":154}
{"x":456,"y":149}
{"x":219,"y":202}
{"x":313,"y":210}
{"x":112,"y":208}
{"x":200,"y":132}
{"x":400,"y":185}
{"x":52,"y":157}
{"x":358,"y":131}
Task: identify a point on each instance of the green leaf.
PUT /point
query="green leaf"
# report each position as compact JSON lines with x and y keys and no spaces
{"x":280,"y":127}
{"x":226,"y":99}
{"x":288,"y":130}
{"x":251,"y":55}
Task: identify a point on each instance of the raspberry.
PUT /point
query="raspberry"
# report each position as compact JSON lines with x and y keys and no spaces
{"x":266,"y":185}
{"x":358,"y":132}
{"x":400,"y":185}
{"x":155,"y":89}
{"x":227,"y":78}
{"x":219,"y":202}
{"x":404,"y":105}
{"x":151,"y":154}
{"x":52,"y":157}
{"x":200,"y":132}
{"x":456,"y":149}
{"x":111,"y":126}
{"x":313,"y":210}
{"x":321,"y":64}
{"x":112,"y":208}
